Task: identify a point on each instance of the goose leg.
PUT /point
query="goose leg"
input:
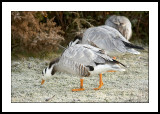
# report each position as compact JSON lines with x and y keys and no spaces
{"x":114,"y":58}
{"x":81,"y":86}
{"x":100,"y":82}
{"x":111,"y":71}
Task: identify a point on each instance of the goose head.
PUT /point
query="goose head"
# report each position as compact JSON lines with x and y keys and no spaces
{"x":122,"y":24}
{"x":47,"y":73}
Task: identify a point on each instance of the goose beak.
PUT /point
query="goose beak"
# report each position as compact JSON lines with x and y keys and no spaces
{"x":42,"y":82}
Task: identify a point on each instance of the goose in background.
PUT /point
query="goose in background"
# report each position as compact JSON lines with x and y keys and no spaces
{"x":122,"y":24}
{"x":109,"y":39}
{"x":82,"y":60}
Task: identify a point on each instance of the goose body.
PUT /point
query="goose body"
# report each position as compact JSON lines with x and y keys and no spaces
{"x":76,"y":59}
{"x":109,"y":39}
{"x":82,"y":60}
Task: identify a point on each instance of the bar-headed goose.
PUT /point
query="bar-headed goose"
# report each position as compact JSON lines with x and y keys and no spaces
{"x":122,"y":24}
{"x":83,"y":60}
{"x":109,"y":39}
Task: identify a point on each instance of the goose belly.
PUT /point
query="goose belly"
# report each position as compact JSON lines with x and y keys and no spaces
{"x":103,"y":68}
{"x":100,"y":69}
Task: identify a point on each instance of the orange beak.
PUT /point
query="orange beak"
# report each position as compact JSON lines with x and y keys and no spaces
{"x":42,"y":82}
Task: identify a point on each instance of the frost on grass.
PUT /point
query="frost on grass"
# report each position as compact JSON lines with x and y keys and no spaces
{"x":129,"y":86}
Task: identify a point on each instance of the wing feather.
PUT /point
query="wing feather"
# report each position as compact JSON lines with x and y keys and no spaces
{"x":86,"y":55}
{"x":105,"y":37}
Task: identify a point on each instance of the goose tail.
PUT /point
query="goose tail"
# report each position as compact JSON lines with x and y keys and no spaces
{"x":133,"y":51}
{"x":117,"y":67}
{"x":129,"y":45}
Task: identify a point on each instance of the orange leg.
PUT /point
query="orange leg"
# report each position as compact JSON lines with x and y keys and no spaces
{"x":81,"y":86}
{"x":114,"y":58}
{"x":100,"y":82}
{"x":111,"y":71}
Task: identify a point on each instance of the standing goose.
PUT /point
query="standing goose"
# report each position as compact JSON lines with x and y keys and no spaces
{"x":82,"y":60}
{"x":109,"y":39}
{"x":122,"y":24}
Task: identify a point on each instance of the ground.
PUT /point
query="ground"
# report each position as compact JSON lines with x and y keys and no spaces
{"x":128,"y":86}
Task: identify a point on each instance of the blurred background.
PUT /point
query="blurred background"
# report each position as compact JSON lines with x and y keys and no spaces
{"x":38,"y":33}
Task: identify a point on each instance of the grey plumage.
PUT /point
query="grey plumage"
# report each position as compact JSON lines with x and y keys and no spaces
{"x":83,"y":60}
{"x":84,"y":54}
{"x":109,"y":39}
{"x":122,"y":24}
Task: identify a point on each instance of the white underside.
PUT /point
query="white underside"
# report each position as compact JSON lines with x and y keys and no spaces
{"x":133,"y":51}
{"x":103,"y":68}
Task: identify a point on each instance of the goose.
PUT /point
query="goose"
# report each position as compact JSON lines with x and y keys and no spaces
{"x":109,"y":39}
{"x":122,"y":24}
{"x":82,"y":60}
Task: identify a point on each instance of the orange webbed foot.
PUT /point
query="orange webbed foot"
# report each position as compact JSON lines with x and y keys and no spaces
{"x":100,"y":82}
{"x":79,"y":89}
{"x":81,"y":86}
